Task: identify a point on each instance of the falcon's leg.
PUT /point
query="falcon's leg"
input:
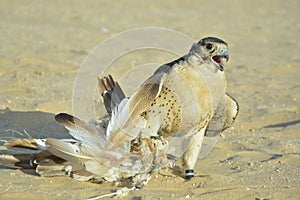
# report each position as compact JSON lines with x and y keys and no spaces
{"x":191,"y":155}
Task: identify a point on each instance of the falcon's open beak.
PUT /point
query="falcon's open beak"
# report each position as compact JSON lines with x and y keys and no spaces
{"x":220,"y":58}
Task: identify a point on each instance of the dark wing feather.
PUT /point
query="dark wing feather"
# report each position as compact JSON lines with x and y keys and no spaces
{"x":111,"y":92}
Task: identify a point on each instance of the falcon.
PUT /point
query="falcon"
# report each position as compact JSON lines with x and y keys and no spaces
{"x":174,"y":114}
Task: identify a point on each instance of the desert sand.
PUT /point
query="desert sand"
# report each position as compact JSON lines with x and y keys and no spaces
{"x":43,"y":44}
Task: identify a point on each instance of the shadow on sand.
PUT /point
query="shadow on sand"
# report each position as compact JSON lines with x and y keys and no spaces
{"x":35,"y":124}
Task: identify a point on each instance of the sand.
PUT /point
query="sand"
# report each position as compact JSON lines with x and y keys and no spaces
{"x":43,"y":44}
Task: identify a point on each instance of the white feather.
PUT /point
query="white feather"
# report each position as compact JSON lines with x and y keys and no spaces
{"x":68,"y":151}
{"x":118,"y":118}
{"x":41,"y":144}
{"x":121,"y":123}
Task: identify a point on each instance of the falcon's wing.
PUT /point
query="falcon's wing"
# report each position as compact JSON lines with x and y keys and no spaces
{"x":231,"y":111}
{"x":126,"y":117}
{"x":225,"y":116}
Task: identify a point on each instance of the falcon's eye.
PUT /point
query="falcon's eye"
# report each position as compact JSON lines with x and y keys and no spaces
{"x":209,"y":46}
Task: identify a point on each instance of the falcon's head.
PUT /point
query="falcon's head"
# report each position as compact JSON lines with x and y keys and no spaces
{"x":212,"y":49}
